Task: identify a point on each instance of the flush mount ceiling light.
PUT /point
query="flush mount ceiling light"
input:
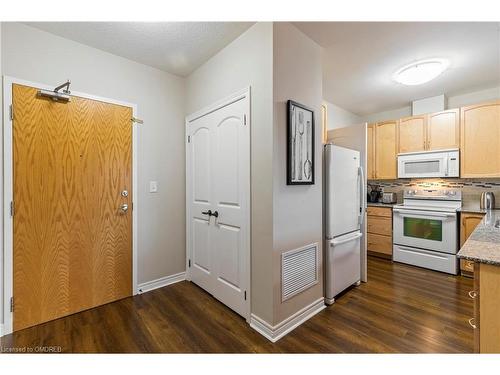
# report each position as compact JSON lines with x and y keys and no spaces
{"x":420,"y":72}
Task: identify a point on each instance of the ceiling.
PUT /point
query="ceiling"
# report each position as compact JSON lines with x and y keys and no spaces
{"x":174,"y":47}
{"x":360,"y":58}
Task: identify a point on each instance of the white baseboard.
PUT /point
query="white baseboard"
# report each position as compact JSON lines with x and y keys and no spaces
{"x":274,"y":333}
{"x":161,"y":282}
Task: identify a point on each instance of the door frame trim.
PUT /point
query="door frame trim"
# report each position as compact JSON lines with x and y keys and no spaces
{"x":8,"y":185}
{"x":236,"y":96}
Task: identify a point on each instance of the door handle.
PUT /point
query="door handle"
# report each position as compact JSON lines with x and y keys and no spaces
{"x":472,"y":323}
{"x":124,"y":207}
{"x":210,"y":213}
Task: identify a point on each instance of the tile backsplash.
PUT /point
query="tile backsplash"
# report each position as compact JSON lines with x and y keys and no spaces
{"x":471,"y":188}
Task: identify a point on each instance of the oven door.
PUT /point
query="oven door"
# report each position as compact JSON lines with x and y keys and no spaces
{"x":429,"y":230}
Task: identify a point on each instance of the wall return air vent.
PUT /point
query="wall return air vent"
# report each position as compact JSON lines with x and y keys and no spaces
{"x":299,"y":270}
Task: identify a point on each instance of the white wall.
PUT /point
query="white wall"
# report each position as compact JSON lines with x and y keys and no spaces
{"x":474,"y":97}
{"x":33,"y":55}
{"x":338,"y":117}
{"x":392,"y":114}
{"x":454,"y":101}
{"x":297,"y":210}
{"x":247,"y":61}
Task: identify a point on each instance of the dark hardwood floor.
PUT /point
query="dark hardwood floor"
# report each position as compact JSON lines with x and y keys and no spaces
{"x":402,"y":309}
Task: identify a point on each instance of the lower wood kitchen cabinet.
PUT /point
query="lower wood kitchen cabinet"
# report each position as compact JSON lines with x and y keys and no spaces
{"x":379,"y":231}
{"x":486,"y":320}
{"x":468,"y":222}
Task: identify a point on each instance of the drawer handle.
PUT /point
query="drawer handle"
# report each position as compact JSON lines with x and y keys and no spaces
{"x":472,"y":322}
{"x":473,"y":294}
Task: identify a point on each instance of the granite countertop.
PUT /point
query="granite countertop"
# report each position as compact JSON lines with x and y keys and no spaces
{"x":473,"y":208}
{"x":380,"y":204}
{"x":483,"y":245}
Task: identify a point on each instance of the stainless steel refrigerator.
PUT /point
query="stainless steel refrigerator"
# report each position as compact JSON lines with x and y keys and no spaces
{"x":345,"y":212}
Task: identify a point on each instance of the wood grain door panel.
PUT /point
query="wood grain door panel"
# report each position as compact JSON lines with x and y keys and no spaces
{"x":370,"y":152}
{"x":412,"y":134}
{"x":468,"y":222}
{"x":379,"y":243}
{"x":72,"y":244}
{"x":379,"y":225}
{"x":480,"y":140}
{"x":386,"y":150}
{"x":443,"y":130}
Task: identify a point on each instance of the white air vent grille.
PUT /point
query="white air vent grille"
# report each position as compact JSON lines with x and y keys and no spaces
{"x":299,"y":270}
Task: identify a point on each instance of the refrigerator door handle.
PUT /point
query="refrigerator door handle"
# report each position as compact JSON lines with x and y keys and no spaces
{"x":362,"y":187}
{"x":346,"y":239}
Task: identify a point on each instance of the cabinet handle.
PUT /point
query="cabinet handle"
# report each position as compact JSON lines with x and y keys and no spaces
{"x":473,"y":294}
{"x":472,"y":322}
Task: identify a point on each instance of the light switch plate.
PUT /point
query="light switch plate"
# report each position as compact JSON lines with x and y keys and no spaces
{"x":153,"y":186}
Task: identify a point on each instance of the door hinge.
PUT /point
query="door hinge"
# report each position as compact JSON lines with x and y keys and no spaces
{"x":11,"y":208}
{"x":244,"y":119}
{"x":189,"y":263}
{"x":189,"y":139}
{"x":245,"y":295}
{"x":11,"y":304}
{"x":11,"y":110}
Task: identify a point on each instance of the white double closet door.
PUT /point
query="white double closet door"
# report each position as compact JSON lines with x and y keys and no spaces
{"x":218,"y":181}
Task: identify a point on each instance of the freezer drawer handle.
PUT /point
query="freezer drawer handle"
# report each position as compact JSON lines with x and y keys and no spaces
{"x":350,"y":238}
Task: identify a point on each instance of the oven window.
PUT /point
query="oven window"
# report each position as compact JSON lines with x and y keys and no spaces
{"x":420,"y":167}
{"x":426,"y":229}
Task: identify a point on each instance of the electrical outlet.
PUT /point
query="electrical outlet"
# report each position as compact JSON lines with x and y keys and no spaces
{"x":153,"y":186}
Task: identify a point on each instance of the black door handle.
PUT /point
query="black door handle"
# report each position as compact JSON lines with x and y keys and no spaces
{"x":209,"y":212}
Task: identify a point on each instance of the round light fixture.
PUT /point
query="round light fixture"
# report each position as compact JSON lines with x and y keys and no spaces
{"x":420,"y":72}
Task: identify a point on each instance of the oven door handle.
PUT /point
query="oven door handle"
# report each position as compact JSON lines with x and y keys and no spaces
{"x":423,"y":213}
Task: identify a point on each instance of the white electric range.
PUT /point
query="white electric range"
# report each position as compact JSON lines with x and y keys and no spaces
{"x":425,"y":231}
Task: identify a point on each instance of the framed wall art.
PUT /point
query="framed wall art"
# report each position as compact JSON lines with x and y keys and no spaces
{"x":300,"y":144}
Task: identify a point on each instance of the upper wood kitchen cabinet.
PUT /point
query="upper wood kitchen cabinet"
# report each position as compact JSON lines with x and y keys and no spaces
{"x":385,"y":150}
{"x":443,"y":130}
{"x":480,"y":140}
{"x":370,"y":152}
{"x":435,"y":131}
{"x":412,"y":134}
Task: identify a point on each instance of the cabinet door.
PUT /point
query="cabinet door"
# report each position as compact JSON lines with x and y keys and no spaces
{"x":379,"y":225}
{"x":370,"y":151}
{"x":386,"y":150}
{"x":443,"y":130}
{"x":480,"y":140}
{"x":468,"y":223}
{"x":412,"y":134}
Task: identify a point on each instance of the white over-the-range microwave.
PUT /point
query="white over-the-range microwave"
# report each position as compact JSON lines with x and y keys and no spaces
{"x":429,"y":164}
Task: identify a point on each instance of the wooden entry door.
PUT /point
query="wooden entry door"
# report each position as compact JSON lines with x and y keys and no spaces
{"x":72,"y":239}
{"x":218,"y":194}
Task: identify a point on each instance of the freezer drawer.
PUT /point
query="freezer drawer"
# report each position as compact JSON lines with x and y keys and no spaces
{"x":424,"y":258}
{"x":343,"y":264}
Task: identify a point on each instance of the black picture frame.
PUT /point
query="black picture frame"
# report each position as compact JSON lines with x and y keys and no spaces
{"x":300,"y":164}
